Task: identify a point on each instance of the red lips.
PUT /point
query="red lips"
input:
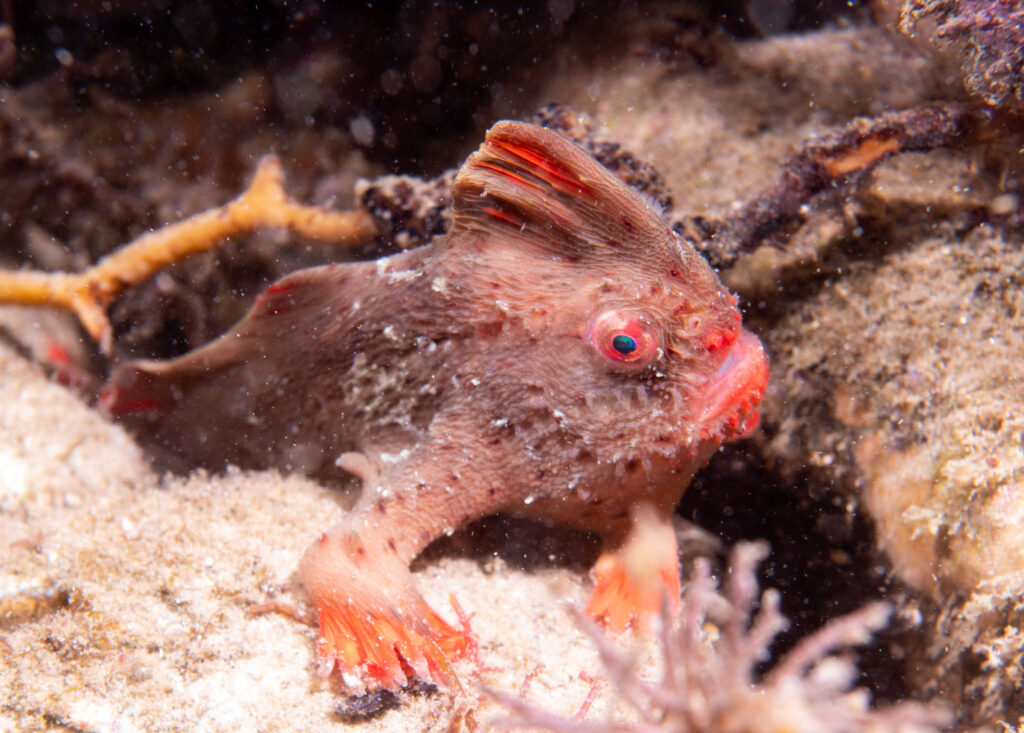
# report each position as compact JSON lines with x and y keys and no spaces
{"x":735,"y":390}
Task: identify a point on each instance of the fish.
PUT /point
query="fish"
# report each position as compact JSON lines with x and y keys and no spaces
{"x":559,"y":354}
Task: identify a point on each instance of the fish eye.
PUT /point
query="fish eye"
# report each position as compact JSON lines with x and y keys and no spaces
{"x":623,"y":338}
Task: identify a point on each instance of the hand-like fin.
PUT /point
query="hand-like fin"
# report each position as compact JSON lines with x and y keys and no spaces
{"x":531,"y":182}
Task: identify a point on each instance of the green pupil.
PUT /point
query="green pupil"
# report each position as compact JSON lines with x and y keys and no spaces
{"x":624,"y":344}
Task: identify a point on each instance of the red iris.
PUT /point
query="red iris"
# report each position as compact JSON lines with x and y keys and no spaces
{"x":622,"y":338}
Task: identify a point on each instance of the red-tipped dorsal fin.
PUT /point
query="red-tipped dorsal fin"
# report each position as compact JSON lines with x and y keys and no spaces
{"x":531,"y":182}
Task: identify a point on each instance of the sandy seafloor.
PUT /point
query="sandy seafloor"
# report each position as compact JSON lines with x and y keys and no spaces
{"x":125,"y":593}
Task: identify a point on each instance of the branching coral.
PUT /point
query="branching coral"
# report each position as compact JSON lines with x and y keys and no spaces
{"x":709,"y":681}
{"x":263,"y":205}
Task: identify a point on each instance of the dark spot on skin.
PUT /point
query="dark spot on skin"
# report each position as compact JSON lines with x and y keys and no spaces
{"x":361,"y":551}
{"x":540,"y":473}
{"x":391,"y":545}
{"x":675,"y":273}
{"x":628,"y":224}
{"x":452,"y":478}
{"x":491,"y":492}
{"x":381,"y":509}
{"x":496,"y":441}
{"x":585,"y":456}
{"x":632,"y":464}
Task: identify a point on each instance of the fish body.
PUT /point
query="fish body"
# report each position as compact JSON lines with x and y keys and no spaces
{"x":560,"y":354}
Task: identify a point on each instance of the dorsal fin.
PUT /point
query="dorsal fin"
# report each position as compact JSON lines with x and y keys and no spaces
{"x":532,"y":182}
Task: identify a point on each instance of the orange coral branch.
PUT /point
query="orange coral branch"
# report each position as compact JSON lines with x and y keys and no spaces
{"x":263,"y":205}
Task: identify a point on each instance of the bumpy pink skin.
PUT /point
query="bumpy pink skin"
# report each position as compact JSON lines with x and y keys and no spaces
{"x":463,"y":379}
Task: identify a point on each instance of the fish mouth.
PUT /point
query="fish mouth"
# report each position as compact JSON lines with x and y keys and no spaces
{"x":735,"y":390}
